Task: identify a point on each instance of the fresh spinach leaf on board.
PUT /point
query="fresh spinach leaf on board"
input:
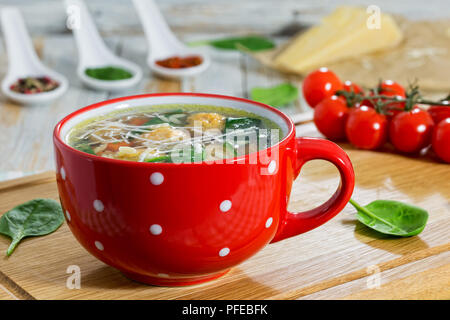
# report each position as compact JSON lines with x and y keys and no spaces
{"x":277,"y":96}
{"x":37,"y":217}
{"x":251,"y":43}
{"x":392,"y":217}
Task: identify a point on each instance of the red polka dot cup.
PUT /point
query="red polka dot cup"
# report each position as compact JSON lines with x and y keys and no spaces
{"x":179,"y":224}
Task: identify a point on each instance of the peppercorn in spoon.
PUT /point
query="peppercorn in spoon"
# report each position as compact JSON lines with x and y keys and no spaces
{"x":27,"y":81}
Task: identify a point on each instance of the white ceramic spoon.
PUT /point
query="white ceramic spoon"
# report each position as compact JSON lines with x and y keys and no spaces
{"x":24,"y":62}
{"x":93,"y":53}
{"x":163,"y":44}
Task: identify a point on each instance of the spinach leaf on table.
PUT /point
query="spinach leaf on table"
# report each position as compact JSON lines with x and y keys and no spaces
{"x":251,"y":43}
{"x":277,"y":96}
{"x":37,"y":217}
{"x":392,"y":217}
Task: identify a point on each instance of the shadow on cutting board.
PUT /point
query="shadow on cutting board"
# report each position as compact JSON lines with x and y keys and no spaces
{"x":234,"y":285}
{"x":392,"y":244}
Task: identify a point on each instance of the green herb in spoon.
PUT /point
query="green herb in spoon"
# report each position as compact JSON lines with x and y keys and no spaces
{"x":108,"y":73}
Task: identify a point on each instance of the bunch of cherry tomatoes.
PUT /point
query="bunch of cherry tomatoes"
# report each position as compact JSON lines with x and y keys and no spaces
{"x":387,"y":113}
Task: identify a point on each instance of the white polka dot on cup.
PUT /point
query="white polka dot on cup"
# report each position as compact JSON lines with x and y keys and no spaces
{"x":99,"y":245}
{"x":62,"y":171}
{"x":156,"y":178}
{"x":272,"y":166}
{"x":225,"y":206}
{"x":224,"y":252}
{"x":155,"y":229}
{"x":68,"y":216}
{"x":269,"y":222}
{"x":98,"y":206}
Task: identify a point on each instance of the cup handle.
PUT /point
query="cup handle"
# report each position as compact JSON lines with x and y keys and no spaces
{"x":292,"y":224}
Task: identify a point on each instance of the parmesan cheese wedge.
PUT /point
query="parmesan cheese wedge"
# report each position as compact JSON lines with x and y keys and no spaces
{"x":342,"y":34}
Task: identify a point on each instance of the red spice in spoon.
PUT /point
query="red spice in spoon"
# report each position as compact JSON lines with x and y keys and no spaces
{"x":180,"y":62}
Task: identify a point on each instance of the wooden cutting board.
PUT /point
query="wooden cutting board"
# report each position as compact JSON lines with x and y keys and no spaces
{"x":341,"y":259}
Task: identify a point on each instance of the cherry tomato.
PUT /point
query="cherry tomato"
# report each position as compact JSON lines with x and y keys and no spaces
{"x":320,"y":84}
{"x":352,"y":87}
{"x":394,"y":108}
{"x":367,"y":103}
{"x":365,"y":128}
{"x":439,"y":113}
{"x":392,"y":89}
{"x":330,"y":116}
{"x":441,"y":140}
{"x":410,"y":131}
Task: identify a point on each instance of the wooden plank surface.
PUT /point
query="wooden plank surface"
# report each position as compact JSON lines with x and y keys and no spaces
{"x":358,"y":289}
{"x":218,"y":16}
{"x":335,"y":254}
{"x":430,"y":284}
{"x":6,"y":294}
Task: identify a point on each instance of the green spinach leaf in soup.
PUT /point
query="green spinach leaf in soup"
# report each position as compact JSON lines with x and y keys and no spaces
{"x":165,"y":159}
{"x":242,"y":123}
{"x":175,"y":118}
{"x":170,"y":113}
{"x":83,"y":145}
{"x":230,"y":150}
{"x":198,"y":154}
{"x":194,"y":154}
{"x":86,"y":148}
{"x":153,"y":121}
